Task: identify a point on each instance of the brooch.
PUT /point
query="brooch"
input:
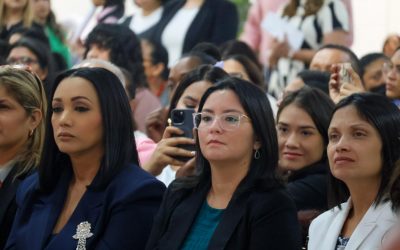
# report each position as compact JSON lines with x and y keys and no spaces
{"x":82,"y":233}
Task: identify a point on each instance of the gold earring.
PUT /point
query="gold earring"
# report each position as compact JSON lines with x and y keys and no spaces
{"x":30,"y":132}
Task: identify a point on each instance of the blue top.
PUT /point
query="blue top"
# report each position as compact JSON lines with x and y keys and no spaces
{"x":203,"y":228}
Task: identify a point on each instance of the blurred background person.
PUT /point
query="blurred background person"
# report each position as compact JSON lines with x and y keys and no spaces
{"x":118,"y":44}
{"x":155,"y":63}
{"x":186,"y":23}
{"x":36,"y":55}
{"x":392,"y":42}
{"x":321,"y":22}
{"x":391,"y":72}
{"x":148,"y":14}
{"x":44,"y":16}
{"x":362,"y":152}
{"x":371,"y":72}
{"x":14,"y":14}
{"x":23,"y":107}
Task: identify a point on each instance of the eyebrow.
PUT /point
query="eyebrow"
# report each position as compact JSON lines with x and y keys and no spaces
{"x":353,"y":126}
{"x":224,"y":111}
{"x":75,"y":98}
{"x":190,"y":98}
{"x":301,"y":126}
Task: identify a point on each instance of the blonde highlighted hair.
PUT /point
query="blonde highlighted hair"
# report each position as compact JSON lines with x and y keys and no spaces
{"x":27,"y":16}
{"x":27,"y":89}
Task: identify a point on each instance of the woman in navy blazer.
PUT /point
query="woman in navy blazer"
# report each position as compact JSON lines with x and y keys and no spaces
{"x":89,"y":192}
{"x":21,"y":140}
{"x":235,"y":201}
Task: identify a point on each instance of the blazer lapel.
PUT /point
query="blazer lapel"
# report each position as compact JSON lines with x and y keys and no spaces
{"x":7,"y":192}
{"x":334,"y":230}
{"x":188,"y":210}
{"x":366,"y":226}
{"x":88,"y":209}
{"x":234,"y":213}
{"x":45,"y":213}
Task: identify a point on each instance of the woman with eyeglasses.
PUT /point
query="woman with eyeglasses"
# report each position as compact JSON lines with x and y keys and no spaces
{"x":168,"y":159}
{"x":362,"y":152}
{"x":235,"y":200}
{"x":22,"y":108}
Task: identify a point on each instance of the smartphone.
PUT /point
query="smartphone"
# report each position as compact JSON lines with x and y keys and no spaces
{"x":183,"y":119}
{"x":344,"y":74}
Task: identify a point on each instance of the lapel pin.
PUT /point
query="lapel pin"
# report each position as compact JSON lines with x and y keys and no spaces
{"x":82,"y":233}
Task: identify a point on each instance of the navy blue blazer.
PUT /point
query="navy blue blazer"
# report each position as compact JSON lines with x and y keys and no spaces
{"x":216,"y":22}
{"x":120,"y":215}
{"x":256,"y":218}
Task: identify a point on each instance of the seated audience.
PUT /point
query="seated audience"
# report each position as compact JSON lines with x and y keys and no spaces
{"x":235,"y":200}
{"x":302,"y":127}
{"x":22,"y":110}
{"x":363,"y":150}
{"x":89,"y":192}
{"x":371,"y":72}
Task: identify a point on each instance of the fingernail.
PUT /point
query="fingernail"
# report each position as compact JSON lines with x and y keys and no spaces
{"x":193,"y":152}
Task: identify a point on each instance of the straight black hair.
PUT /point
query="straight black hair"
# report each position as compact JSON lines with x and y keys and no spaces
{"x":262,"y":172}
{"x":384,"y":116}
{"x":118,"y":137}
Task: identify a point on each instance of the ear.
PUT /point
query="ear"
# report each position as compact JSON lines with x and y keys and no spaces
{"x":158,"y":69}
{"x":257,"y":144}
{"x":35,"y":119}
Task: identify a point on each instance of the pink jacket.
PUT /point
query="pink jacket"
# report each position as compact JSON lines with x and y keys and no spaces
{"x":258,"y":39}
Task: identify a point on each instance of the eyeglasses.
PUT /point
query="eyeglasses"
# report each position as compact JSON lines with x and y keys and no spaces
{"x":227,"y":121}
{"x":24,"y":60}
{"x":388,"y":67}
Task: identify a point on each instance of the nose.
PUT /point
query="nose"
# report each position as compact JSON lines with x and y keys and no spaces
{"x":292,"y":141}
{"x":64,"y":118}
{"x":215,"y":126}
{"x":342,"y":144}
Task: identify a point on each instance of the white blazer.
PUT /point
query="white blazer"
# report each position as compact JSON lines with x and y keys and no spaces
{"x":325,"y":229}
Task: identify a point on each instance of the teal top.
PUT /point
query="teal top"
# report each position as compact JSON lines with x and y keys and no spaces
{"x":203,"y":228}
{"x":58,"y":46}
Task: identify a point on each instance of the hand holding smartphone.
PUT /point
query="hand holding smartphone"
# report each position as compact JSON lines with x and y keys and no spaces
{"x":183,"y":119}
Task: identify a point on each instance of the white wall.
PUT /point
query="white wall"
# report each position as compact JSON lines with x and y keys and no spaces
{"x":373,"y":19}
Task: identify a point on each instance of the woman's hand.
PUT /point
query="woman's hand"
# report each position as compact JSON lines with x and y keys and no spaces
{"x":167,"y":151}
{"x":155,"y":124}
{"x":279,"y":49}
{"x":339,"y":90}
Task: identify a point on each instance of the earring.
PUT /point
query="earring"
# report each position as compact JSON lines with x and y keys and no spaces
{"x":257,"y":154}
{"x":30,"y":132}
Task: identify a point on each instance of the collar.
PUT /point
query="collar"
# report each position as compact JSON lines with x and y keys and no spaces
{"x":5,"y":170}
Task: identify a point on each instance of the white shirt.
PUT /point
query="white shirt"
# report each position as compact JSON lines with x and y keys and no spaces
{"x":5,"y":170}
{"x":140,"y":23}
{"x":174,"y":33}
{"x":167,"y":175}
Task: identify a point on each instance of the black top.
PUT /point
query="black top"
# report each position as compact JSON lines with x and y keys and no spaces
{"x":308,"y":187}
{"x":254,"y":219}
{"x":216,"y":22}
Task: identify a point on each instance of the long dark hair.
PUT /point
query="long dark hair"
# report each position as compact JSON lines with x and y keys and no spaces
{"x":262,"y":172}
{"x":118,"y":137}
{"x":384,"y":116}
{"x":316,"y":104}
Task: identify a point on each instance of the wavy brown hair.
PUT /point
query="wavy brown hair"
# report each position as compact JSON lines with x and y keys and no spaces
{"x":311,"y":7}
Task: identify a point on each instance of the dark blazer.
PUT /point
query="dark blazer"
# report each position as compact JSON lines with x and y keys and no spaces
{"x":254,"y":219}
{"x":308,"y":187}
{"x":120,"y":215}
{"x":8,"y":206}
{"x":216,"y":22}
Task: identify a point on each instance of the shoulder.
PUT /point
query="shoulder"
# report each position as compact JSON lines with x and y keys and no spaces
{"x":324,"y":220}
{"x":134,"y":183}
{"x":277,"y":199}
{"x":27,"y":186}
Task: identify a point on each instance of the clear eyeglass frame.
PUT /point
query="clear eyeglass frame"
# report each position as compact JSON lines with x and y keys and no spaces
{"x":227,"y":121}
